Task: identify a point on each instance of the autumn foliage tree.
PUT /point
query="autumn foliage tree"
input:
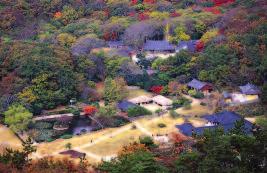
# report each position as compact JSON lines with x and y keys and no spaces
{"x":89,"y":110}
{"x":178,"y":140}
{"x":175,"y":88}
{"x":156,"y":89}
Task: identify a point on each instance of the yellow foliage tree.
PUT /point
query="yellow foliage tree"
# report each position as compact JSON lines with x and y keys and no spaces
{"x":180,"y":34}
{"x":209,"y":35}
{"x":159,"y":15}
{"x":27,"y":96}
{"x":66,"y":39}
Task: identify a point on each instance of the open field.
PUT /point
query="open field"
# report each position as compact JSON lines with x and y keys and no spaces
{"x":8,"y":139}
{"x":114,"y":144}
{"x":152,"y":124}
{"x":76,"y":141}
{"x":194,"y":110}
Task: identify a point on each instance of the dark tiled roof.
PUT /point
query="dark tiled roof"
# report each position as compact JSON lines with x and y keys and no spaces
{"x":125,"y":105}
{"x":155,"y":45}
{"x":225,"y":119}
{"x":186,"y":128}
{"x":250,"y":89}
{"x":187,"y":45}
{"x":196,"y":84}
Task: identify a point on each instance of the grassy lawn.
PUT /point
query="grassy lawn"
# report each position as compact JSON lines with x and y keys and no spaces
{"x":8,"y":139}
{"x":137,"y":92}
{"x":59,"y":144}
{"x":152,"y":124}
{"x":114,"y":144}
{"x":195,"y":110}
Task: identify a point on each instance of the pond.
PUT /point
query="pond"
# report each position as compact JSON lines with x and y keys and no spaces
{"x":80,"y":126}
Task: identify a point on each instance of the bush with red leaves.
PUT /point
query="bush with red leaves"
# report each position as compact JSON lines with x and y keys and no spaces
{"x":175,"y":14}
{"x":200,"y":46}
{"x":143,"y":16}
{"x":213,"y":10}
{"x":89,"y":110}
{"x":156,"y":89}
{"x":222,"y":2}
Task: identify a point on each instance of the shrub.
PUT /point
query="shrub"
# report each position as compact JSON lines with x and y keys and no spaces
{"x":158,"y":111}
{"x":180,"y":102}
{"x":75,"y":112}
{"x":118,"y":121}
{"x":174,"y":114}
{"x":187,"y":106}
{"x":44,"y":135}
{"x":147,"y":141}
{"x":42,"y":125}
{"x":66,"y":136}
{"x":133,"y":127}
{"x":198,"y":95}
{"x":203,"y":104}
{"x":192,"y":92}
{"x":161,"y":125}
{"x":138,"y":111}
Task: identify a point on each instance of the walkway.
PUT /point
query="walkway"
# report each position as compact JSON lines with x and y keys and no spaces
{"x":50,"y":117}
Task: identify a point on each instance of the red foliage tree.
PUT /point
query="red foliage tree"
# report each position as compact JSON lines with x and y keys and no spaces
{"x":106,"y":12}
{"x":131,"y":14}
{"x":178,"y":140}
{"x":143,"y":16}
{"x":134,"y":2}
{"x":110,"y":36}
{"x":58,"y":15}
{"x":156,"y":89}
{"x":149,"y":1}
{"x":213,"y":10}
{"x":89,"y":110}
{"x":222,"y":2}
{"x":175,"y":14}
{"x":200,"y":46}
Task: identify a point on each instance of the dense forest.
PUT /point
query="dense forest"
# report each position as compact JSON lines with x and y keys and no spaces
{"x":47,"y":44}
{"x":53,"y":51}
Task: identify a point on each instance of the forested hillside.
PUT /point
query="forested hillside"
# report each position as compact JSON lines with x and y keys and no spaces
{"x":150,"y":75}
{"x":47,"y":44}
